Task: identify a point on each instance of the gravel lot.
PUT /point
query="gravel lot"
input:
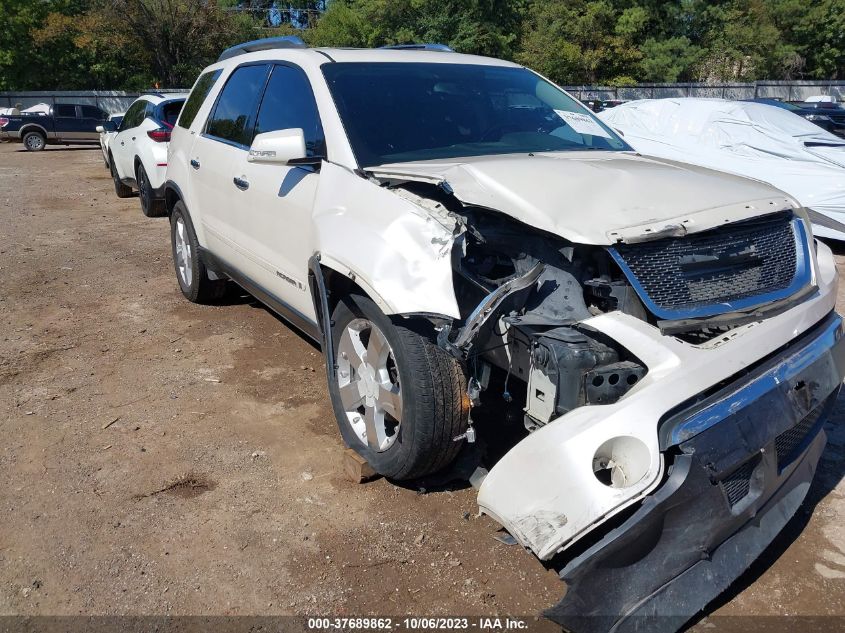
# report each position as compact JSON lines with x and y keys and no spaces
{"x":160,"y":457}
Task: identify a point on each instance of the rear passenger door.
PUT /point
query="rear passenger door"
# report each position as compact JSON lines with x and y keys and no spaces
{"x":224,"y":140}
{"x":274,"y":210}
{"x":92,"y":116}
{"x":65,"y":121}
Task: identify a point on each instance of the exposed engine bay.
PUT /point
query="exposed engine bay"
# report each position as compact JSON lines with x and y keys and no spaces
{"x":532,"y":333}
{"x":524,"y":295}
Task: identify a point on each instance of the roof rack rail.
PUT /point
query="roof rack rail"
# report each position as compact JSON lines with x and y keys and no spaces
{"x":420,"y":47}
{"x":268,"y":43}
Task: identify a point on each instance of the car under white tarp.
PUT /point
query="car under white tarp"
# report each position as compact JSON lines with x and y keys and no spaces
{"x":749,"y":139}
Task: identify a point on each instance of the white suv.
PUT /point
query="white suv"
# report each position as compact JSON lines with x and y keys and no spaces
{"x":137,"y":149}
{"x":457,"y":230}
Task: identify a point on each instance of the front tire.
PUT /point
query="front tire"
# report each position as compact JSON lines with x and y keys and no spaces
{"x":150,"y":207}
{"x":34,"y":141}
{"x":191,"y":272}
{"x":399,"y":399}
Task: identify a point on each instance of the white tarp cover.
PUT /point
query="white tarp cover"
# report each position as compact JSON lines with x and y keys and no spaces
{"x":40,"y":108}
{"x":755,"y":140}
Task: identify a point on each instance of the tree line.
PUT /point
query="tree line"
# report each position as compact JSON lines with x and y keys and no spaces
{"x":140,"y":44}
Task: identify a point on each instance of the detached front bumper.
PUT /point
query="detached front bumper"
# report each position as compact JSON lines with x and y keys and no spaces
{"x":740,"y":463}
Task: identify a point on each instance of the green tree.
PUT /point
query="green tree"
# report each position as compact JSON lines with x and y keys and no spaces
{"x":668,"y":60}
{"x":581,"y":41}
{"x":742,"y":42}
{"x":817,"y":31}
{"x":486,"y":27}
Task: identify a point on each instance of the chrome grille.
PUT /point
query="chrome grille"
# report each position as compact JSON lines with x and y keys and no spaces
{"x":702,"y":272}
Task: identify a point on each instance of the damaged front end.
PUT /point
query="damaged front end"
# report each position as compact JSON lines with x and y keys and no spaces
{"x":673,"y":382}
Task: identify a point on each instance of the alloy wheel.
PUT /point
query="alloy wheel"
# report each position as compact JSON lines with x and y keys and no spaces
{"x":368,"y":383}
{"x":184,"y":256}
{"x":34,"y":142}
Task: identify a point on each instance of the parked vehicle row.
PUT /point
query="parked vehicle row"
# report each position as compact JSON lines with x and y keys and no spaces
{"x":456,"y":230}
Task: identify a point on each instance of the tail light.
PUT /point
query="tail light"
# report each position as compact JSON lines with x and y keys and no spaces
{"x":159,"y":135}
{"x":3,"y":121}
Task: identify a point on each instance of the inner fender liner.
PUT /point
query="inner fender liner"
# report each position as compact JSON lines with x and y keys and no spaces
{"x":711,"y":518}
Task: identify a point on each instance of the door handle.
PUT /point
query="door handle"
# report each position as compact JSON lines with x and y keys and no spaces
{"x":240,"y":183}
{"x":195,"y":163}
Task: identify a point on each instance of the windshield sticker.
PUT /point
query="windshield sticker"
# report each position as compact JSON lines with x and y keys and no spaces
{"x":582,"y":123}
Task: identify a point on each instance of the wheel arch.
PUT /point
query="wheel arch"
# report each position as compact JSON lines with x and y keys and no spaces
{"x":172,"y":195}
{"x":33,"y":127}
{"x":329,"y":282}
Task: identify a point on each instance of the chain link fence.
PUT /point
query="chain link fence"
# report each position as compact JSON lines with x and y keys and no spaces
{"x":114,"y":101}
{"x":783,"y":90}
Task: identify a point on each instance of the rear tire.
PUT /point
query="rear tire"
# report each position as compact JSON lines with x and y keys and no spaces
{"x":191,"y":272}
{"x":34,"y":141}
{"x":120,"y":190}
{"x":405,"y":388}
{"x":150,"y":207}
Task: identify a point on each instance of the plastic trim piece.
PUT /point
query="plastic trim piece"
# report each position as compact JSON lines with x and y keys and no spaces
{"x":420,"y":47}
{"x":268,"y":43}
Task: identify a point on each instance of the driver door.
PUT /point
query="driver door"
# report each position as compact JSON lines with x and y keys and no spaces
{"x":275,"y":201}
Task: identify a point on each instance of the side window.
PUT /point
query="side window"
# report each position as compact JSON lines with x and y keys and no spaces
{"x":131,"y":118}
{"x":232,"y":119}
{"x":65,"y":110}
{"x":170,"y":111}
{"x":149,"y":112}
{"x":289,"y":103}
{"x":201,"y":89}
{"x":93,"y":112}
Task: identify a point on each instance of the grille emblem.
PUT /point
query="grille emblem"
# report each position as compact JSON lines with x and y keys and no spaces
{"x":711,"y":262}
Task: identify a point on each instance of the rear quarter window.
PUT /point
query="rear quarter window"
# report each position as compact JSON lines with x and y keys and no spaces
{"x":200,"y":91}
{"x":170,"y":111}
{"x":65,"y":110}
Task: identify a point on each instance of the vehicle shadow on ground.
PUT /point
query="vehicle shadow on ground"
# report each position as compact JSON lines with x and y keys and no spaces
{"x":62,"y":148}
{"x":829,"y":473}
{"x":235,"y":295}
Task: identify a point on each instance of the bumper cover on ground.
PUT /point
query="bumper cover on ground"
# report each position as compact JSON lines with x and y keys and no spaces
{"x":742,"y":460}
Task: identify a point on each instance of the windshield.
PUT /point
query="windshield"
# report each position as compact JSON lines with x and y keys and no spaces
{"x":400,"y":112}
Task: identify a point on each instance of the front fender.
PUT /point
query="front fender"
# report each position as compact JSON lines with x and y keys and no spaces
{"x":396,"y":251}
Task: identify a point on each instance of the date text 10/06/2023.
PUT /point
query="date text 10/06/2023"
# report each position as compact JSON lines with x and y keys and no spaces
{"x":481,"y":623}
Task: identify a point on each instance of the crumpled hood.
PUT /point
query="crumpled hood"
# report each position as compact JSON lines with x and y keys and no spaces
{"x":597,"y":197}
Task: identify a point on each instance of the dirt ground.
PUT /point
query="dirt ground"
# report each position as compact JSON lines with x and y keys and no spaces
{"x":160,"y":457}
